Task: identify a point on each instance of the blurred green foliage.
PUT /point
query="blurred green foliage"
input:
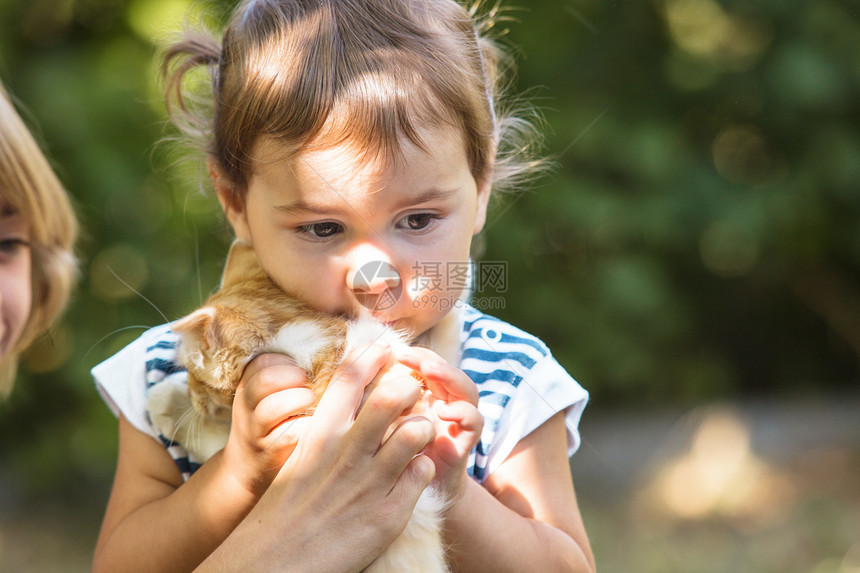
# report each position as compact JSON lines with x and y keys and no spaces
{"x":698,"y":240}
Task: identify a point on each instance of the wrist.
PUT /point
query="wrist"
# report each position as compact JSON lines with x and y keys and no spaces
{"x":236,"y":479}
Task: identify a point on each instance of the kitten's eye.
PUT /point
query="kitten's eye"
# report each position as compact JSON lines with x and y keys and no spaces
{"x":321,"y":230}
{"x":417,"y":221}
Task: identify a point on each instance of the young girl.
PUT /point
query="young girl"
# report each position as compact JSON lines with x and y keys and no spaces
{"x":355,"y":145}
{"x":37,"y":234}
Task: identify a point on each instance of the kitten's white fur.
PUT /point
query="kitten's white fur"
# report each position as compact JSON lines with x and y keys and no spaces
{"x":301,"y":340}
{"x":170,"y":410}
{"x":420,"y":548}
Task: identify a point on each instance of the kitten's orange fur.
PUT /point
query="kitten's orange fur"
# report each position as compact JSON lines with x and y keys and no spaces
{"x":239,"y":322}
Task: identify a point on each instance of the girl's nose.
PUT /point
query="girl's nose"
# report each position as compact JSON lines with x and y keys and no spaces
{"x":373,"y":279}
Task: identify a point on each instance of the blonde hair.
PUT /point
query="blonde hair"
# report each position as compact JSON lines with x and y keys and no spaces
{"x":362,"y":72}
{"x":31,"y":188}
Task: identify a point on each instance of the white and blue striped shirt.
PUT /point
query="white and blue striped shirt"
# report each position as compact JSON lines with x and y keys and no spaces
{"x":520,"y":386}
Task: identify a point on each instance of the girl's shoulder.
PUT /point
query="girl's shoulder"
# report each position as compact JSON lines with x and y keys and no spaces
{"x":145,"y":367}
{"x":485,"y":338}
{"x":520,"y":386}
{"x":153,"y":354}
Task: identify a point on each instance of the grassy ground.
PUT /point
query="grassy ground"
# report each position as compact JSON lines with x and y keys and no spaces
{"x":758,"y":488}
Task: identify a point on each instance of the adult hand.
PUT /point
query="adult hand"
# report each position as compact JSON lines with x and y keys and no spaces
{"x":343,"y":495}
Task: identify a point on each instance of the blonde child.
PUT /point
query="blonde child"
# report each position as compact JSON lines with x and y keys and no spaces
{"x":348,"y":138}
{"x":37,"y":234}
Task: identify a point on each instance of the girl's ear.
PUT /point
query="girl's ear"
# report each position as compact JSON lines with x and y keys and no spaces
{"x":484,"y":187}
{"x":232,"y":204}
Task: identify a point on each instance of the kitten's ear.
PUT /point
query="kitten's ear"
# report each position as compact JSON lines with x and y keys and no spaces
{"x":241,"y":263}
{"x":200,"y":326}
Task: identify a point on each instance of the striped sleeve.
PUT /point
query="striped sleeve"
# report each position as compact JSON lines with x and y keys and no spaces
{"x":520,"y":386}
{"x":125,"y":379}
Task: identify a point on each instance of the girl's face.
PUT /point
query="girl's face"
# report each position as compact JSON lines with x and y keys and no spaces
{"x":349,"y":236}
{"x":15,"y":288}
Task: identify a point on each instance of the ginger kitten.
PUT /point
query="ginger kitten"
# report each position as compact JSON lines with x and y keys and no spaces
{"x":250,"y":315}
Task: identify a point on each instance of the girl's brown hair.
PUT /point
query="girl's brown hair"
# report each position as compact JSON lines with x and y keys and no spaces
{"x":364,"y":72}
{"x":31,"y":188}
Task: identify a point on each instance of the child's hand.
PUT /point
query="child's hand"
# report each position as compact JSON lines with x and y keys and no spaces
{"x":264,"y":429}
{"x":456,"y":406}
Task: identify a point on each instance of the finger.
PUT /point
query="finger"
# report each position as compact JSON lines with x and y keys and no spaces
{"x":385,"y":404}
{"x":457,"y":431}
{"x":266,"y":360}
{"x":413,"y":480}
{"x":449,"y":383}
{"x":407,"y":440}
{"x":465,"y":415}
{"x":443,"y":380}
{"x":268,"y":374}
{"x":287,"y":434}
{"x":341,"y":399}
{"x":282,"y":405}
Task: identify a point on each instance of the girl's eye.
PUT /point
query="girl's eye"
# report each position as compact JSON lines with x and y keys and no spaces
{"x":12,"y":246}
{"x":418,"y":221}
{"x":321,"y":230}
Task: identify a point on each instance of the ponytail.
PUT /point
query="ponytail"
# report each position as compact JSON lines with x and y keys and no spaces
{"x":188,"y":110}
